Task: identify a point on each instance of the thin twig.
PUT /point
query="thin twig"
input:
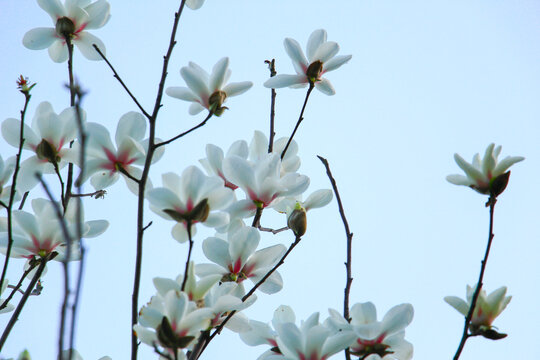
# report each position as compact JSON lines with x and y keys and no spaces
{"x":128,"y":175}
{"x":27,"y":97}
{"x":185,"y":132}
{"x":272,"y":68}
{"x":121,"y":82}
{"x":479,"y":284}
{"x":300,"y":118}
{"x":186,"y":271}
{"x":23,"y":200}
{"x":79,"y":220}
{"x":142,"y":184}
{"x":273,"y":231}
{"x":69,"y":241}
{"x":72,"y":94}
{"x":99,"y":194}
{"x":349,"y":236}
{"x":16,"y":313}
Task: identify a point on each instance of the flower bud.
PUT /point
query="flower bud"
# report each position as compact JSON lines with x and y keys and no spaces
{"x":24,"y":85}
{"x":215,"y":102}
{"x":45,"y":151}
{"x":65,"y":27}
{"x":314,"y":71}
{"x":297,"y":220}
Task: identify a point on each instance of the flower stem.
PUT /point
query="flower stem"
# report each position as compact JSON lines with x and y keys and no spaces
{"x":142,"y":183}
{"x":272,"y":68}
{"x":19,"y":284}
{"x":468,"y":318}
{"x":349,"y":236}
{"x":27,"y":97}
{"x":16,"y":313}
{"x":300,"y":118}
{"x":188,"y":256}
{"x":185,"y":132}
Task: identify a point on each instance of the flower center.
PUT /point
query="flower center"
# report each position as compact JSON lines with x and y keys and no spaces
{"x":65,"y":27}
{"x":314,"y":71}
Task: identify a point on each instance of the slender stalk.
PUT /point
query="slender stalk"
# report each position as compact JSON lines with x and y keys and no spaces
{"x":244,"y":298}
{"x":79,"y":223}
{"x":128,"y":175}
{"x":23,"y":200}
{"x":349,"y":236}
{"x":300,"y":118}
{"x":27,"y":97}
{"x":122,"y":82}
{"x":257,"y":218}
{"x":143,"y":180}
{"x":62,"y":197}
{"x":272,"y":68}
{"x":69,"y":241}
{"x":186,"y":271}
{"x":185,"y":132}
{"x":17,"y":312}
{"x":468,"y":318}
{"x":72,"y":95}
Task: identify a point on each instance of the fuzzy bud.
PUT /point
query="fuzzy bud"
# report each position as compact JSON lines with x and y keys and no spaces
{"x":297,"y":220}
{"x":65,"y":27}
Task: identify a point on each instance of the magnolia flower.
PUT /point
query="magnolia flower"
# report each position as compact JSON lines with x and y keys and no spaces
{"x":487,"y":308}
{"x":39,"y":234}
{"x":70,"y":21}
{"x":171,"y":322}
{"x":236,"y":259}
{"x":208,"y":91}
{"x":321,"y":58}
{"x":190,"y":199}
{"x":6,"y":170}
{"x":376,"y":339}
{"x":106,"y":161}
{"x":312,"y":340}
{"x":261,"y":182}
{"x":262,"y":333}
{"x":487,"y":175}
{"x":47,"y":138}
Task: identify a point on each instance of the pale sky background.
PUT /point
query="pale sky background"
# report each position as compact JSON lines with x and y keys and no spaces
{"x":427,"y":79}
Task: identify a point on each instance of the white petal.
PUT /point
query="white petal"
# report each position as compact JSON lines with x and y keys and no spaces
{"x":98,"y":14}
{"x":39,"y":38}
{"x":459,"y":180}
{"x":196,"y":83}
{"x":237,"y":88}
{"x":282,"y":80}
{"x":296,"y":54}
{"x":336,"y":62}
{"x":181,"y":93}
{"x":325,"y":87}
{"x":58,"y":51}
{"x":326,"y":51}
{"x":85,"y":44}
{"x":318,"y":199}
{"x":218,"y":74}
{"x":457,"y":304}
{"x":316,"y":39}
{"x":53,"y":7}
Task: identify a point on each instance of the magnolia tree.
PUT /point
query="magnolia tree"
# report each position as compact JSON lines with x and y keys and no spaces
{"x":235,"y":217}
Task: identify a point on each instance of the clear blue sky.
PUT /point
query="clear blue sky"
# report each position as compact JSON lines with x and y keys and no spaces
{"x":427,"y":79}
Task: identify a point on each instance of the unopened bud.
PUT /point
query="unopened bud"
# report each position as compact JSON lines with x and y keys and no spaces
{"x":216,"y":101}
{"x":45,"y":151}
{"x":24,"y":85}
{"x":498,"y":184}
{"x":65,"y":27}
{"x":25,"y":355}
{"x":297,"y":221}
{"x":314,"y":71}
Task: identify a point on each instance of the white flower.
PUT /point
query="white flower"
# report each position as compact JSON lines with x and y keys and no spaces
{"x":208,"y":91}
{"x":106,"y":161}
{"x":39,"y":234}
{"x":48,"y":138}
{"x":321,"y":58}
{"x":236,"y":259}
{"x":193,"y":197}
{"x":70,"y":20}
{"x":312,"y":340}
{"x":171,"y":322}
{"x":483,"y":173}
{"x":377,"y":339}
{"x":487,"y":308}
{"x":262,"y":182}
